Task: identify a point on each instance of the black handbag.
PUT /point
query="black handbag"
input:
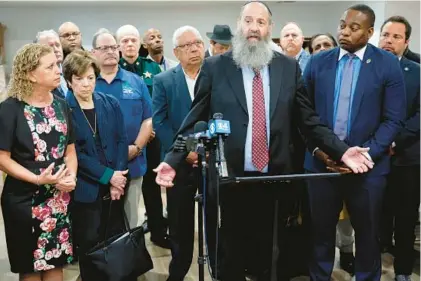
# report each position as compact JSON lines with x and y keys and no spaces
{"x":123,"y":255}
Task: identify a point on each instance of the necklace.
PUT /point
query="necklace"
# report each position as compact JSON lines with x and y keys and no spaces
{"x":90,"y":126}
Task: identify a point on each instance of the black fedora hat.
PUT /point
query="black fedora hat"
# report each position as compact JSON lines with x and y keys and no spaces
{"x":221,"y":34}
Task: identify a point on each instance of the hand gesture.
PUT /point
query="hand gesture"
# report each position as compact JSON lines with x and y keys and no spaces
{"x":165,"y":175}
{"x":356,"y":161}
{"x":47,"y":176}
{"x":66,"y":183}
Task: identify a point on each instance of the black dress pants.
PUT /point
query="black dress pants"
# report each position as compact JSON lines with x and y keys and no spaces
{"x":152,"y":191}
{"x":400,"y":215}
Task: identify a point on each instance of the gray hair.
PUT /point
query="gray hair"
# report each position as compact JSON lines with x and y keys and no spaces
{"x":45,"y":33}
{"x":98,"y":33}
{"x":127,"y":29}
{"x":180,"y":31}
{"x":292,"y":23}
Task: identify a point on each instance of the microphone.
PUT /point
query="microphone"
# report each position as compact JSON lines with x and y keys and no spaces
{"x":221,"y":129}
{"x":189,"y":143}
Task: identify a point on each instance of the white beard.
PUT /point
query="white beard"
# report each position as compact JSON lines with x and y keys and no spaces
{"x":254,"y":55}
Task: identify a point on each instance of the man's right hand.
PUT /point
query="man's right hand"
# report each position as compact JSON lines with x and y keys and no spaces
{"x":165,"y":175}
{"x":331,"y":165}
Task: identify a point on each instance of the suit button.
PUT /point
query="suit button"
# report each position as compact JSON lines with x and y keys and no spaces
{"x":245,"y":125}
{"x":104,"y":146}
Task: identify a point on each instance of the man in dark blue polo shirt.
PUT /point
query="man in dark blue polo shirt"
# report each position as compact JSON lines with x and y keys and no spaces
{"x":136,"y":105}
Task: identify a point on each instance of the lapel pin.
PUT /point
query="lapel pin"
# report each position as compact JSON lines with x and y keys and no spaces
{"x":137,"y":63}
{"x":406,"y":68}
{"x":124,"y":64}
{"x":368,"y":61}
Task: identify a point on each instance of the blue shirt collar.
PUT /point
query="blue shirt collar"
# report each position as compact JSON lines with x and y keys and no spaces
{"x":119,"y":76}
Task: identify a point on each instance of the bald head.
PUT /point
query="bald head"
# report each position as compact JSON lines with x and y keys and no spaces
{"x":262,"y":8}
{"x":292,"y":39}
{"x":152,"y":40}
{"x":70,"y":37}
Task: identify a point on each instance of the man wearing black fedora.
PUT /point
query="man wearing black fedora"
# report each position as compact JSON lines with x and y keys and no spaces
{"x":220,"y":40}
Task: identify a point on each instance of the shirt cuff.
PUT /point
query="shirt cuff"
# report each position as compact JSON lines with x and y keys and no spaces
{"x":393,"y":144}
{"x":314,"y":151}
{"x":106,"y":176}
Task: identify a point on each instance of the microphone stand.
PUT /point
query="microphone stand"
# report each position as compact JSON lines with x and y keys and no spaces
{"x":202,"y":181}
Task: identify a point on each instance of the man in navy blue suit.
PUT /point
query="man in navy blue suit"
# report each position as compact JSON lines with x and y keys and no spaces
{"x":403,"y":190}
{"x":359,"y":93}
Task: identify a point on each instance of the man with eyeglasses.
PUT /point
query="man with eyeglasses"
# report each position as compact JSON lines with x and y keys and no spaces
{"x":173,"y":94}
{"x":402,"y":198}
{"x":70,"y":37}
{"x":136,"y":105}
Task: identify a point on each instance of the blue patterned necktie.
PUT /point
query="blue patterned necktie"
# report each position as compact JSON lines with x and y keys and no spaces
{"x":344,"y":100}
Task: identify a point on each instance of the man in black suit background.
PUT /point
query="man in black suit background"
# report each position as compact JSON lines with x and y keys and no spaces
{"x":261,"y":93}
{"x":220,"y":40}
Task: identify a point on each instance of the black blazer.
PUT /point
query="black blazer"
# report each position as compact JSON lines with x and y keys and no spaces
{"x":207,"y":54}
{"x":412,"y":55}
{"x":408,"y":140}
{"x":220,"y":88}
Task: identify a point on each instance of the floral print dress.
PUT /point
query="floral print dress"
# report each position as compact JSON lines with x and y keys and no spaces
{"x":50,"y":216}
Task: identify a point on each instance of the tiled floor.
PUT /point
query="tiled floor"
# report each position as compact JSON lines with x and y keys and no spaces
{"x":161,"y":258}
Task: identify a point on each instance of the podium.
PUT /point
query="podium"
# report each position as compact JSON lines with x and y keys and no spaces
{"x":282,"y":179}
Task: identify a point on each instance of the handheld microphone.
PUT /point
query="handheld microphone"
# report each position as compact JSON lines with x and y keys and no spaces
{"x":221,"y":129}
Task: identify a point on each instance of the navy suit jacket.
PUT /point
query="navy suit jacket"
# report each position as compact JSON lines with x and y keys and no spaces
{"x":378,"y":108}
{"x":171,"y":102}
{"x":110,"y":124}
{"x":408,"y":140}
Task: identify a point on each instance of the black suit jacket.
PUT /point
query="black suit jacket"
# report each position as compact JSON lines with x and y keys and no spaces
{"x":412,"y":56}
{"x":408,"y":140}
{"x":207,"y":54}
{"x":220,"y":88}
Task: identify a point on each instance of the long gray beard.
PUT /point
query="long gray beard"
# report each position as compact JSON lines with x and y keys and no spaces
{"x":255,"y":55}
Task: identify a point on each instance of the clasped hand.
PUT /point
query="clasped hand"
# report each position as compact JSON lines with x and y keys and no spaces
{"x":118,"y":183}
{"x":62,"y":179}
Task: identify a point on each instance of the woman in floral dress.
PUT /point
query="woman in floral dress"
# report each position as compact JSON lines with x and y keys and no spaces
{"x":38,"y":155}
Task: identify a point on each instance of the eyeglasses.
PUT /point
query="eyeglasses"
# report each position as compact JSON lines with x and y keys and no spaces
{"x":68,"y":35}
{"x":107,"y":48}
{"x":394,"y":37}
{"x":187,"y":46}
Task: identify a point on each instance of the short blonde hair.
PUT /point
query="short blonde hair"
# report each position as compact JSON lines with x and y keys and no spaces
{"x":77,"y":63}
{"x":26,"y":60}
